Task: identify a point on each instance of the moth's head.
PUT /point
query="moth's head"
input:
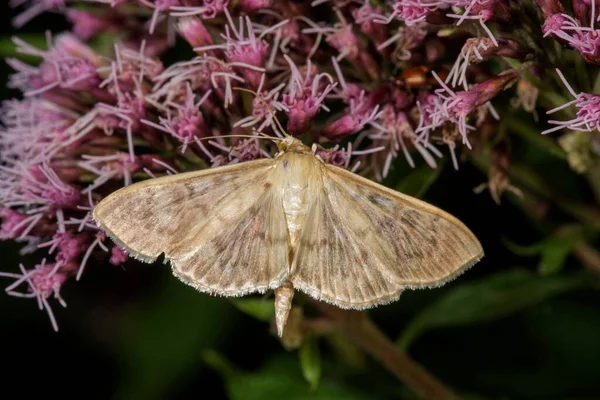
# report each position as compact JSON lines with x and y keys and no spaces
{"x":291,"y":144}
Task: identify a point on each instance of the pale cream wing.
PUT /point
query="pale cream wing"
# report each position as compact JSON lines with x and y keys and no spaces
{"x":362,"y":243}
{"x":222,"y":229}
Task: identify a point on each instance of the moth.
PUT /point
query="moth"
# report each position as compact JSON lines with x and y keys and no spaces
{"x":285,"y":223}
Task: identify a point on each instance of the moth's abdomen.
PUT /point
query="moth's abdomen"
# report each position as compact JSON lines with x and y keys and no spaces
{"x":297,"y":174}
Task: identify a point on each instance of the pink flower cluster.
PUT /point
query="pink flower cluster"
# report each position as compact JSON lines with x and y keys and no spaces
{"x":92,"y":120}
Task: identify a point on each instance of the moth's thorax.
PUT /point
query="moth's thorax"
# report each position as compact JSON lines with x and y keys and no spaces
{"x":292,"y":145}
{"x":299,"y":175}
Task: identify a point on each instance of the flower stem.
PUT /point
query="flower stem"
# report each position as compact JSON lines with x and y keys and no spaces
{"x":588,"y":256}
{"x":526,"y":178}
{"x":358,"y":327}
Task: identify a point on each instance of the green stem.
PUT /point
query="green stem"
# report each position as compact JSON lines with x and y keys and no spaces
{"x":525,"y":178}
{"x":360,"y":329}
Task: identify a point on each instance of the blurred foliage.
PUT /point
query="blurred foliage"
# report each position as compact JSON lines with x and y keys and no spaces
{"x":310,"y":361}
{"x":553,"y":251}
{"x":261,"y":309}
{"x":279,"y":378}
{"x":488,"y":299}
{"x":161,"y":339}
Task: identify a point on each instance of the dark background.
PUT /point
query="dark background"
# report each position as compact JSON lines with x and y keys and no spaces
{"x":137,"y":332}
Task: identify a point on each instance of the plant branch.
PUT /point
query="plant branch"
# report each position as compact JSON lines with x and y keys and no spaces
{"x":525,"y":178}
{"x":587,"y":255}
{"x":358,"y":327}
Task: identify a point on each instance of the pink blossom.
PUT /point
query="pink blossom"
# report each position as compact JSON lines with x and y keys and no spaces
{"x":118,"y":256}
{"x":585,"y":40}
{"x":550,"y":7}
{"x":246,"y":150}
{"x":246,"y":52}
{"x":413,"y":11}
{"x":58,"y":69}
{"x":86,"y":25}
{"x":251,"y":5}
{"x":587,"y":117}
{"x":159,"y":6}
{"x":44,"y":281}
{"x":335,"y":156}
{"x":355,"y":119}
{"x":209,"y":10}
{"x":194,"y":31}
{"x":33,"y":8}
{"x":13,"y":224}
{"x":345,"y":41}
{"x":305,"y":96}
{"x":455,"y":107}
{"x":395,"y":133}
{"x":188,"y":124}
{"x":264,"y":107}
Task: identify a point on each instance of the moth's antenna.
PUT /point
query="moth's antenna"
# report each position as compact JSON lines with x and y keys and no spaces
{"x":264,"y":136}
{"x":241,"y":89}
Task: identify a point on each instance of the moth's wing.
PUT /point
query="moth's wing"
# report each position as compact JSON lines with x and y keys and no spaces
{"x":362,"y":243}
{"x":222,"y":229}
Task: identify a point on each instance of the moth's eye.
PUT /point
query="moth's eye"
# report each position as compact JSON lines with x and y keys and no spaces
{"x":282,"y":145}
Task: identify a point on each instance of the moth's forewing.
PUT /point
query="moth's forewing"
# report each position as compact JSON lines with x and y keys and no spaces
{"x":222,"y":229}
{"x":362,"y":243}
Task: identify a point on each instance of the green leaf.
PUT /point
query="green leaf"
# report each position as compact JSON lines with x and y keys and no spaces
{"x":219,"y":363}
{"x":418,"y":180}
{"x":597,"y":84}
{"x":310,"y":361}
{"x":531,"y":133}
{"x":279,"y":378}
{"x":163,"y":337}
{"x":8,"y":48}
{"x":488,"y":299}
{"x":554,"y":251}
{"x":260,"y":309}
{"x":520,"y":250}
{"x":104,"y":43}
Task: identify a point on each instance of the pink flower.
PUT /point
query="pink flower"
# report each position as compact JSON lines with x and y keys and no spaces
{"x":264,"y":107}
{"x":345,"y":41}
{"x":246,"y":150}
{"x":395,"y":133}
{"x":60,"y":68}
{"x":550,"y":7}
{"x":455,"y":107}
{"x":305,"y":96}
{"x":356,"y":118}
{"x":477,"y":50}
{"x":246,"y":53}
{"x":194,"y":31}
{"x":160,"y":6}
{"x":44,"y":281}
{"x":587,"y":117}
{"x":251,"y":5}
{"x":118,"y":256}
{"x":13,"y":224}
{"x":413,"y":11}
{"x":209,"y":10}
{"x":70,"y":246}
{"x":86,"y":25}
{"x":336,"y":156}
{"x":34,"y":8}
{"x":364,"y":17}
{"x":586,"y":40}
{"x":188,"y":124}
